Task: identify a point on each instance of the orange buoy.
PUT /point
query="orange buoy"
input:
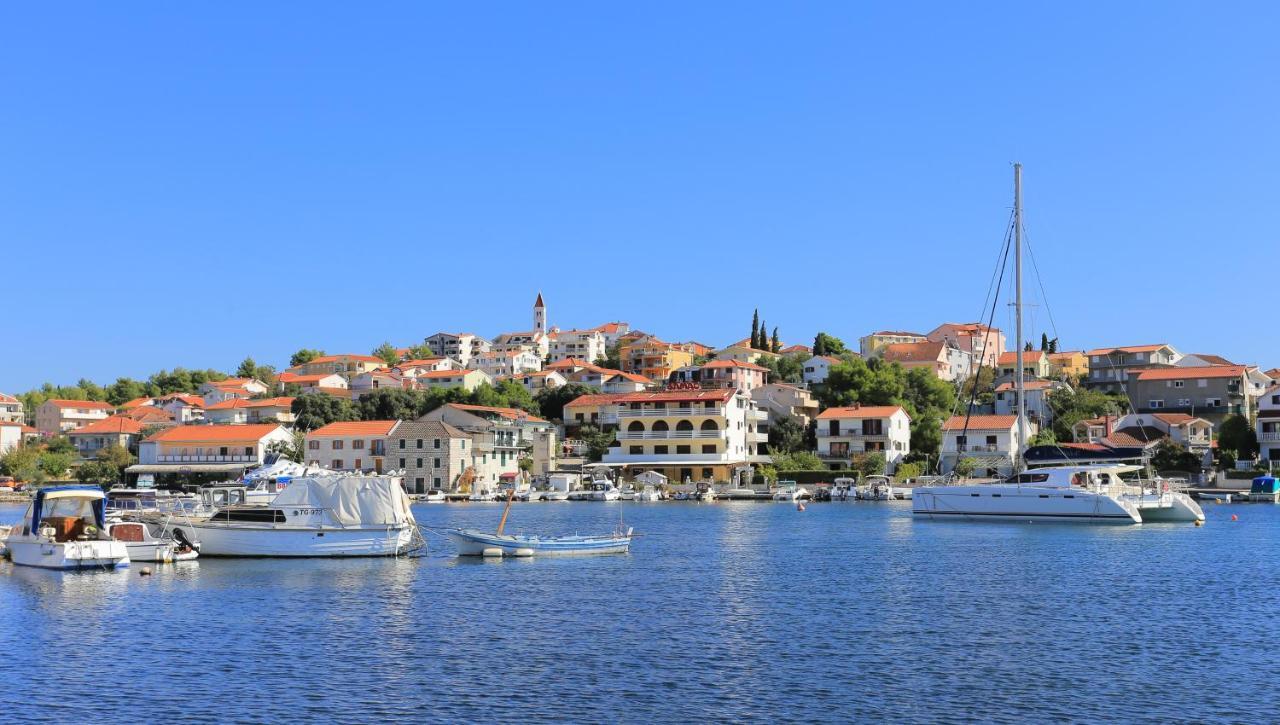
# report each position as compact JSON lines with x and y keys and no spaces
{"x":1234,"y":517}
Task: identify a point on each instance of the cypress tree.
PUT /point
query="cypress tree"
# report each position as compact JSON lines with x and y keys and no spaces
{"x":755,"y":328}
{"x":1044,"y":342}
{"x":763,"y":344}
{"x":776,"y":346}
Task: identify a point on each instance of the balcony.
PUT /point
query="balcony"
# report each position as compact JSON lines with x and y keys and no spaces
{"x":667,"y":412}
{"x":1273,"y":437}
{"x":206,"y":459}
{"x":758,"y":437}
{"x":660,"y":435}
{"x":977,"y":448}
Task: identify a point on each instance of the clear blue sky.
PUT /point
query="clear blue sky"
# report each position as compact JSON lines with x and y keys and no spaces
{"x":185,"y":184}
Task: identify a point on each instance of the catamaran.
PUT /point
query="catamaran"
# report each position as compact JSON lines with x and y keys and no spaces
{"x":1093,"y":494}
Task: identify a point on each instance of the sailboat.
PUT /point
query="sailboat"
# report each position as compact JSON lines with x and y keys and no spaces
{"x":474,"y":542}
{"x":1092,"y":494}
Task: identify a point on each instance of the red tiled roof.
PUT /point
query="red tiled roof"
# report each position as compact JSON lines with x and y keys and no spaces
{"x":859,"y":411}
{"x":1011,"y":358}
{"x":797,"y":348}
{"x":659,"y":396}
{"x":508,"y":413}
{"x":148,"y":413}
{"x":1212,"y":371}
{"x":896,"y":333}
{"x":912,"y":352}
{"x":1173,"y":418}
{"x":233,"y":403}
{"x":6,"y":398}
{"x":431,"y":374}
{"x":214,"y":433}
{"x":195,"y":401}
{"x":87,"y":404}
{"x":355,"y":428}
{"x":737,"y":364}
{"x":304,"y":379}
{"x":136,"y":402}
{"x":341,"y":358}
{"x":981,"y":422}
{"x":1129,"y":348}
{"x":633,"y":377}
{"x":119,"y":424}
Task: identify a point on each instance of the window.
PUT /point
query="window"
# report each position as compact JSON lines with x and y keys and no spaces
{"x":1202,"y":383}
{"x":1155,"y":403}
{"x":337,"y":463}
{"x":991,"y":440}
{"x":418,"y":481}
{"x":708,"y":448}
{"x":401,"y":466}
{"x":636,"y":450}
{"x":313,"y":445}
{"x":435,"y":482}
{"x":833,"y":427}
{"x":682,"y":450}
{"x":402,"y":444}
{"x":1184,"y":402}
{"x":358,"y":444}
{"x":660,"y":450}
{"x":1213,"y":402}
{"x":1179,"y":383}
{"x":419,"y":463}
{"x":435,"y":443}
{"x":436,"y":463}
{"x":706,"y":473}
{"x":355,"y":463}
{"x":337,"y":445}
{"x":419,"y":442}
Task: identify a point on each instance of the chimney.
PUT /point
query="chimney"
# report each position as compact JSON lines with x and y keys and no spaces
{"x":1106,"y":422}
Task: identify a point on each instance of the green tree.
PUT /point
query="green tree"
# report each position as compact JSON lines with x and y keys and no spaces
{"x":797,"y":461}
{"x":21,"y":463}
{"x":785,"y":368}
{"x":612,"y":357}
{"x":1236,"y":435}
{"x":764,"y":337}
{"x":387,"y":404}
{"x":786,"y":435}
{"x":96,"y":472}
{"x":60,"y":444}
{"x":1172,"y":456}
{"x":1045,"y":437}
{"x":755,"y":328}
{"x":55,"y":465}
{"x":551,"y":401}
{"x":314,"y":410}
{"x":303,"y":356}
{"x":965,"y":467}
{"x":869,"y":464}
{"x":1071,"y":405}
{"x":825,"y":344}
{"x":248,"y":368}
{"x":984,"y":382}
{"x":926,"y":434}
{"x":295,"y":449}
{"x":775,"y":345}
{"x":1044,"y":342}
{"x":915,"y":469}
{"x":421,"y":352}
{"x":387,"y":352}
{"x":123,"y":390}
{"x":598,"y":441}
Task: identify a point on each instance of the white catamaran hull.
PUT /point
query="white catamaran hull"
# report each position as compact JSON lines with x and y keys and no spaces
{"x":1025,"y":503}
{"x":239,"y":540}
{"x":1168,"y":508}
{"x":69,"y":555}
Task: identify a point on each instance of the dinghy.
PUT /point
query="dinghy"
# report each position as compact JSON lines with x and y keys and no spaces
{"x":474,"y":542}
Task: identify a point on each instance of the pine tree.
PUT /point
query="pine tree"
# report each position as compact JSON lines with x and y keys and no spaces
{"x":1027,"y":347}
{"x":820,"y":344}
{"x":764,"y":337}
{"x":776,"y":345}
{"x":1053,"y":346}
{"x":755,"y":329}
{"x":1044,"y":342}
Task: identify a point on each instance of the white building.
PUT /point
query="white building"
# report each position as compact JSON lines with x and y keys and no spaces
{"x":11,"y":410}
{"x":213,"y":451}
{"x":536,"y":380}
{"x":782,"y":400}
{"x":584,"y":344}
{"x":460,"y":346}
{"x":1037,"y":392}
{"x":1267,"y":424}
{"x":219,"y":390}
{"x":513,"y":362}
{"x":990,"y":440}
{"x":238,"y":411}
{"x":55,"y":416}
{"x":466,"y":379}
{"x":351,"y":446}
{"x":844,"y":433}
{"x":818,"y":367}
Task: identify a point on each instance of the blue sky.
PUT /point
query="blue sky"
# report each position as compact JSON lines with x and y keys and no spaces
{"x":188,"y":184}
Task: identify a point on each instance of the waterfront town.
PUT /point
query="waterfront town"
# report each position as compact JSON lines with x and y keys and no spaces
{"x":459,"y":412}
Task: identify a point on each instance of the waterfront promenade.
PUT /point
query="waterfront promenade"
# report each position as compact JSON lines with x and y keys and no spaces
{"x":722,"y":612}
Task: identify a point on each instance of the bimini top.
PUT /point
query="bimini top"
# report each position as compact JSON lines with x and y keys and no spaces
{"x":70,"y":491}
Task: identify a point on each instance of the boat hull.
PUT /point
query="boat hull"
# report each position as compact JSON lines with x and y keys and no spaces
{"x":71,"y":555}
{"x":478,"y":543}
{"x":162,"y":552}
{"x":247,"y":541}
{"x":1019,"y":504}
{"x":1181,"y":509}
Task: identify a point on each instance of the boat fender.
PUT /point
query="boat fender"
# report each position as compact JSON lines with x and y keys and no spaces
{"x":144,"y":571}
{"x":523,"y":552}
{"x":491,"y":551}
{"x":1234,"y":517}
{"x":1199,"y":522}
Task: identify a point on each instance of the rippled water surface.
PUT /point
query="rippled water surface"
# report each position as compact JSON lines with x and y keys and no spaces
{"x":726,"y":611}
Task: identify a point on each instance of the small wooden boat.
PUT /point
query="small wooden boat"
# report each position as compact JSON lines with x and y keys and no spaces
{"x":474,"y":542}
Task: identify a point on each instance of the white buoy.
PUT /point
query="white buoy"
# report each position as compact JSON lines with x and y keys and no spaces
{"x":145,"y":571}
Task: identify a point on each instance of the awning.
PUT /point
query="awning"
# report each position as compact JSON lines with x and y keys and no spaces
{"x":188,"y":467}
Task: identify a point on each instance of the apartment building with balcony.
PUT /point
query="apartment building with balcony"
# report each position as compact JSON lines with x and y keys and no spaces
{"x":1267,"y":425}
{"x":536,"y":380}
{"x":116,"y":430}
{"x":981,"y":342}
{"x":1146,"y":430}
{"x":238,"y":411}
{"x":682,"y":434}
{"x":816,"y":368}
{"x":351,"y":446}
{"x":56,"y":416}
{"x":583,"y":344}
{"x":313,"y":382}
{"x":11,"y":410}
{"x":1110,"y":367}
{"x":184,"y":407}
{"x":498,"y":363}
{"x":1069,"y":364}
{"x":782,"y":400}
{"x":506,"y":435}
{"x":1039,"y":411}
{"x":1212,"y":392}
{"x":468,"y":380}
{"x":944,"y":359}
{"x":733,"y":374}
{"x":533,"y":341}
{"x":460,"y":346}
{"x":844,"y":433}
{"x":346,"y":365}
{"x":992,"y":441}
{"x":217,"y":391}
{"x":653,"y":358}
{"x":193,"y":453}
{"x":612,"y":332}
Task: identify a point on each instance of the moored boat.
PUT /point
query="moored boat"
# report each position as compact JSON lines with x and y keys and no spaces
{"x":143,"y":545}
{"x":473,"y":542}
{"x":63,"y":528}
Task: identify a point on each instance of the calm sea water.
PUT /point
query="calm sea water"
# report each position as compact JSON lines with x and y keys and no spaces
{"x":726,"y":611}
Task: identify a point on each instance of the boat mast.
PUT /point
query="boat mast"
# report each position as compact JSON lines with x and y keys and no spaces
{"x":1020,"y":382}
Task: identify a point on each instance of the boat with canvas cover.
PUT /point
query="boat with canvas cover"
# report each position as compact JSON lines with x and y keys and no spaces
{"x":63,"y":528}
{"x":323,"y":515}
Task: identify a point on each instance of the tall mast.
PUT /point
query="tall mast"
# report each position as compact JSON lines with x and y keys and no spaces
{"x":1019,"y":381}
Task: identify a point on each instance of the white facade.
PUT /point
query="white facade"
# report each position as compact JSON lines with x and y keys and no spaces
{"x":11,"y":410}
{"x":498,"y":364}
{"x":1267,"y":425}
{"x":843,"y":433}
{"x":59,"y":416}
{"x":991,"y":441}
{"x":461,"y":346}
{"x":1037,"y":392}
{"x":10,"y":436}
{"x":588,"y":345}
{"x":218,"y":391}
{"x":817,"y":368}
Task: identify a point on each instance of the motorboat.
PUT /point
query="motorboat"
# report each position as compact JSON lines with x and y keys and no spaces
{"x":603,"y":491}
{"x":704,"y":492}
{"x":553,"y":494}
{"x":648,"y":494}
{"x":473,"y":542}
{"x":789,"y":491}
{"x":143,"y":545}
{"x":627,"y":493}
{"x":1090,"y":494}
{"x":318,"y":515}
{"x":434,"y":495}
{"x":842,"y":489}
{"x":881,"y":488}
{"x":273,"y":476}
{"x":63,"y":528}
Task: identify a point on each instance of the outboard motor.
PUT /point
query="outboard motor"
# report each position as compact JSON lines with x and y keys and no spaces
{"x":180,"y":536}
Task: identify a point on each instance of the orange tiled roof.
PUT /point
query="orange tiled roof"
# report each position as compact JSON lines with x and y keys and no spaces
{"x":214,"y":433}
{"x":233,"y":403}
{"x":659,"y":396}
{"x":981,"y":422}
{"x":114,"y":424}
{"x":88,"y":404}
{"x":1011,"y":358}
{"x":1212,"y":371}
{"x":508,"y":413}
{"x":859,"y":411}
{"x":136,"y":402}
{"x":912,"y":352}
{"x":195,"y":401}
{"x":1130,"y":348}
{"x":148,"y":413}
{"x":355,"y":428}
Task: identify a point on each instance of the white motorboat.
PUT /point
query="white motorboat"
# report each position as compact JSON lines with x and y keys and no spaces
{"x":789,"y":491}
{"x":881,"y":488}
{"x":842,"y":489}
{"x":603,"y":491}
{"x":473,"y":542}
{"x":648,"y":494}
{"x":554,"y":494}
{"x":143,"y":545}
{"x":704,"y":492}
{"x":324,"y":515}
{"x":434,"y":495}
{"x":628,"y":493}
{"x":63,"y":528}
{"x":1091,"y":494}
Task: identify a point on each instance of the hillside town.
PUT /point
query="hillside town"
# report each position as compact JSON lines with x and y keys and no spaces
{"x":462,"y":410}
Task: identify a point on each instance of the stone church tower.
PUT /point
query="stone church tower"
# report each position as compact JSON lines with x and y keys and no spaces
{"x":540,"y":315}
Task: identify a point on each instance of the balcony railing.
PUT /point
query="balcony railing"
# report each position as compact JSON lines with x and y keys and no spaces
{"x":979,"y":448}
{"x":664,"y":412}
{"x":657,"y":435}
{"x":206,"y":459}
{"x":1269,"y":437}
